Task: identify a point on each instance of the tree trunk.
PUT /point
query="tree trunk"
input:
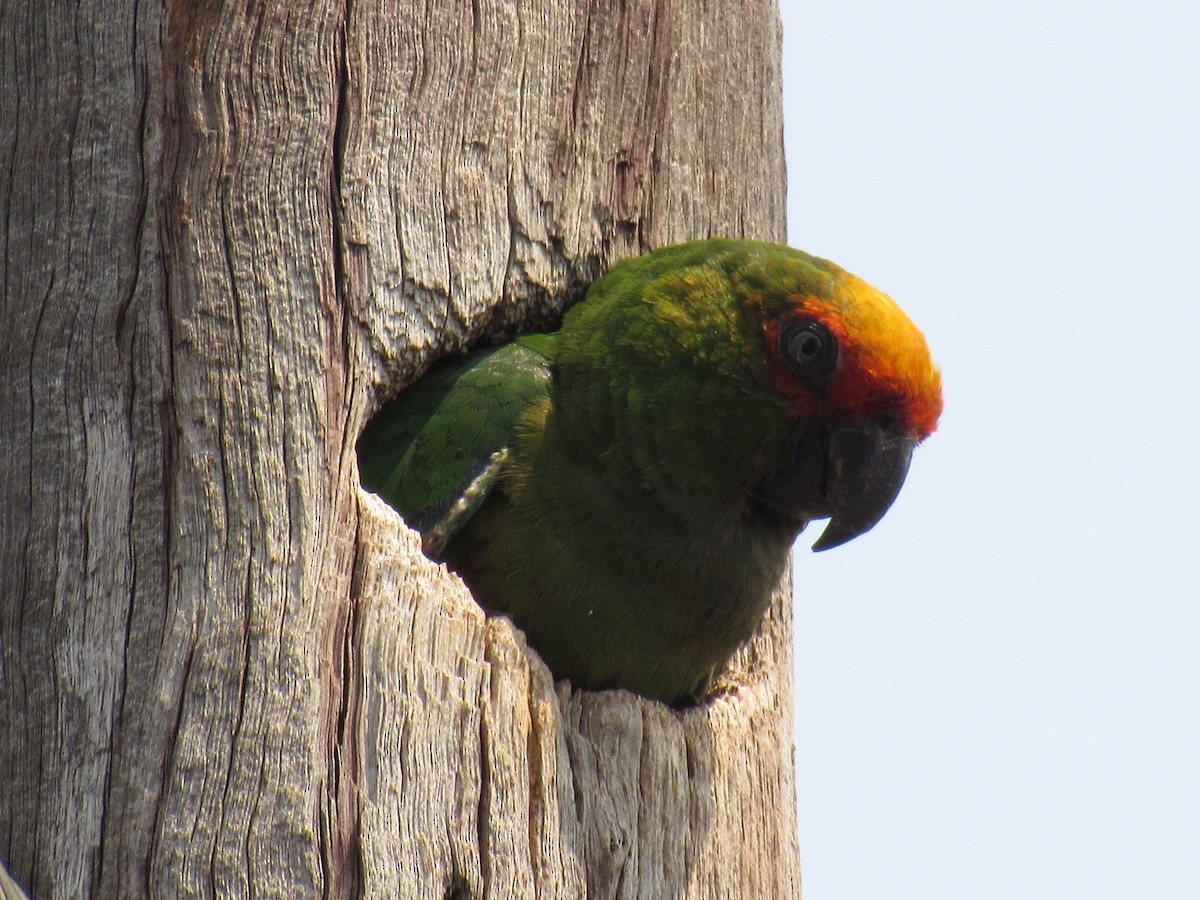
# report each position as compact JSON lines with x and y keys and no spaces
{"x":229,"y":231}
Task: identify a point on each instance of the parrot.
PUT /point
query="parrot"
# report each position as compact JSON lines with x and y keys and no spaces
{"x":627,"y":489}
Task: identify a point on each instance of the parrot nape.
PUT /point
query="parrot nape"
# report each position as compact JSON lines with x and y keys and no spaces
{"x":627,"y":489}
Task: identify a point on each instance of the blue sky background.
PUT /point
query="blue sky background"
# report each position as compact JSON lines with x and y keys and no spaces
{"x":998,"y":690}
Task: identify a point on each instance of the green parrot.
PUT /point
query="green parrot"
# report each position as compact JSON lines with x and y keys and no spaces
{"x":627,"y":489}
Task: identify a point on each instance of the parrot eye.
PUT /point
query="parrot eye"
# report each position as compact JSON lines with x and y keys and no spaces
{"x":808,"y":349}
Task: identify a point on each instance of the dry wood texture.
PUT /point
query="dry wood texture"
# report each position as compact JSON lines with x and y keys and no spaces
{"x":229,"y":230}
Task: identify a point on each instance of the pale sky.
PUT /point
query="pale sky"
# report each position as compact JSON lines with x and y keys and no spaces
{"x":998,"y":689}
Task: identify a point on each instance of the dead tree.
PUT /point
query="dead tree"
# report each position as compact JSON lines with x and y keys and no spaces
{"x":229,"y":231}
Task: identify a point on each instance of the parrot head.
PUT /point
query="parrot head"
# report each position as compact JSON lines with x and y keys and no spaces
{"x":858,"y":383}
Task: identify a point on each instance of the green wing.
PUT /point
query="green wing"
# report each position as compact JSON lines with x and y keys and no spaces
{"x":435,"y":451}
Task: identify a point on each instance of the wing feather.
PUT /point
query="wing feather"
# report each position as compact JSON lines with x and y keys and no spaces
{"x":436,"y":450}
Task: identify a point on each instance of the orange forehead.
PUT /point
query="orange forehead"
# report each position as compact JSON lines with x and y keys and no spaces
{"x":885,"y":363}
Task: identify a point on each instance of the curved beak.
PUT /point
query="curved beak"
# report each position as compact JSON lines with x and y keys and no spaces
{"x":852,"y":475}
{"x":865,"y":470}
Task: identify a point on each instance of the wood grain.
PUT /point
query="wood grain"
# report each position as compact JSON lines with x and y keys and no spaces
{"x":230,"y":231}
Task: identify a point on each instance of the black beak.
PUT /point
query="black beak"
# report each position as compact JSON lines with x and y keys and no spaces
{"x":852,"y":475}
{"x":864,"y":474}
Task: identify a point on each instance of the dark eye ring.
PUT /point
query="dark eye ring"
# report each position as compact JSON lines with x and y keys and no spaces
{"x":807,"y":348}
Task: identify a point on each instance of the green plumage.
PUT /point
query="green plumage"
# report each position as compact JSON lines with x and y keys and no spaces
{"x":428,"y":446}
{"x":597,"y":484}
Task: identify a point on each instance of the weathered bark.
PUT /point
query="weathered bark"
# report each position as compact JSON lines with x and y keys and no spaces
{"x":228,"y":232}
